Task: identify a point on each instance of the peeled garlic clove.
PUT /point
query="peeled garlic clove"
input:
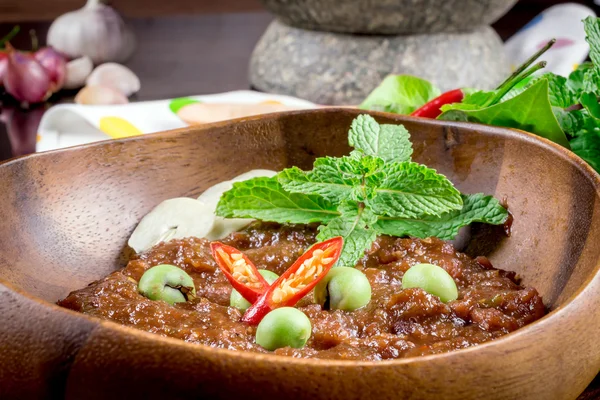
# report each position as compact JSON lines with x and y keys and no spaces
{"x":77,"y":72}
{"x":115,"y":76}
{"x":222,"y":227}
{"x":176,"y":218}
{"x":99,"y":95}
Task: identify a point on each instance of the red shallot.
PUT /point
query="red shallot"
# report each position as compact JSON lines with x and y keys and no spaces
{"x":55,"y":64}
{"x":25,"y":78}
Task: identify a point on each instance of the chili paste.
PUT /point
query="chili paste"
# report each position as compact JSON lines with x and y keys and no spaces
{"x":396,"y":323}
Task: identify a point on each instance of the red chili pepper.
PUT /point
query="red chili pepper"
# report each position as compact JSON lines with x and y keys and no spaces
{"x":240,"y":271}
{"x":432,"y":108}
{"x":298,"y":280}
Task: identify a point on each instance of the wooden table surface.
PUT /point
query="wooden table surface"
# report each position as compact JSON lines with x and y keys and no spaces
{"x":194,"y":54}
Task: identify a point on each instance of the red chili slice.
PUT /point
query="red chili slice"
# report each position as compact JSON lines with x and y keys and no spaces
{"x":298,"y":280}
{"x":240,"y":271}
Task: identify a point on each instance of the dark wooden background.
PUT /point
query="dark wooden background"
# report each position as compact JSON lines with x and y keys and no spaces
{"x":184,"y":47}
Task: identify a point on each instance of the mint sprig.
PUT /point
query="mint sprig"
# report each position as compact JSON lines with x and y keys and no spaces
{"x":375,"y":190}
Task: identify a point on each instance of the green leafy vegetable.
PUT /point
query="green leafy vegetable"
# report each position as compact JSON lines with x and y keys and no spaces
{"x":575,"y":80}
{"x":529,"y":111}
{"x":476,"y":208}
{"x":587,"y":146}
{"x":376,"y":189}
{"x":590,"y":102}
{"x":400,"y":94}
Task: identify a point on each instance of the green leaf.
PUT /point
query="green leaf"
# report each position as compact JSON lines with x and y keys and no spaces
{"x":332,"y":178}
{"x":587,"y":146}
{"x":411,"y":190}
{"x":389,"y":142}
{"x":591,"y":81}
{"x":577,"y":122}
{"x":519,"y":88}
{"x":590,"y":102}
{"x":335,"y":179}
{"x":559,"y":93}
{"x":400,"y":94}
{"x":575,"y":81}
{"x":473,"y":100}
{"x":592,"y":31}
{"x":479,"y":98}
{"x":264,"y":199}
{"x":355,"y":226}
{"x":459,"y":106}
{"x":476,"y":208}
{"x":529,"y":111}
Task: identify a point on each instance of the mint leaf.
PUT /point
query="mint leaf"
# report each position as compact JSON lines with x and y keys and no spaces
{"x":335,"y":179}
{"x":559,"y":93}
{"x":575,"y":81}
{"x":264,"y":198}
{"x":400,"y":94}
{"x":587,"y":146}
{"x":577,"y":122}
{"x":332,"y":178}
{"x":354,"y":225}
{"x":389,"y":142}
{"x":591,"y":81}
{"x":590,"y":102}
{"x":592,"y":31}
{"x":529,"y":111}
{"x":476,"y":208}
{"x":411,"y":190}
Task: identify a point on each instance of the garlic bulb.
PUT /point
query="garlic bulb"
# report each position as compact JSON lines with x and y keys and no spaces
{"x":115,"y":76}
{"x":96,"y":31}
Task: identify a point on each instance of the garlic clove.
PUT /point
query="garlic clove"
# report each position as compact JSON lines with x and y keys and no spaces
{"x":99,"y":95}
{"x":176,"y":218}
{"x":77,"y":72}
{"x":222,"y":227}
{"x":115,"y":76}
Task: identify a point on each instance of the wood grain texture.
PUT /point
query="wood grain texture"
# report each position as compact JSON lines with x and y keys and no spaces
{"x":70,"y":212}
{"x":46,"y":10}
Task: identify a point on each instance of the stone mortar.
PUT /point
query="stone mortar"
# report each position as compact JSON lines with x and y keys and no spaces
{"x":333,"y":68}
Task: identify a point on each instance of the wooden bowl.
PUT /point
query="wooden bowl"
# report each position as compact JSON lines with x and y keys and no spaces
{"x":67,"y":215}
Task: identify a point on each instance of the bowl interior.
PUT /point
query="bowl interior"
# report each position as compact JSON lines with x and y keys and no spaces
{"x":68,"y":214}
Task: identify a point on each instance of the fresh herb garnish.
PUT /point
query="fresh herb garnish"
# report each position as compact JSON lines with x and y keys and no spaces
{"x":565,"y":110}
{"x":376,"y":189}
